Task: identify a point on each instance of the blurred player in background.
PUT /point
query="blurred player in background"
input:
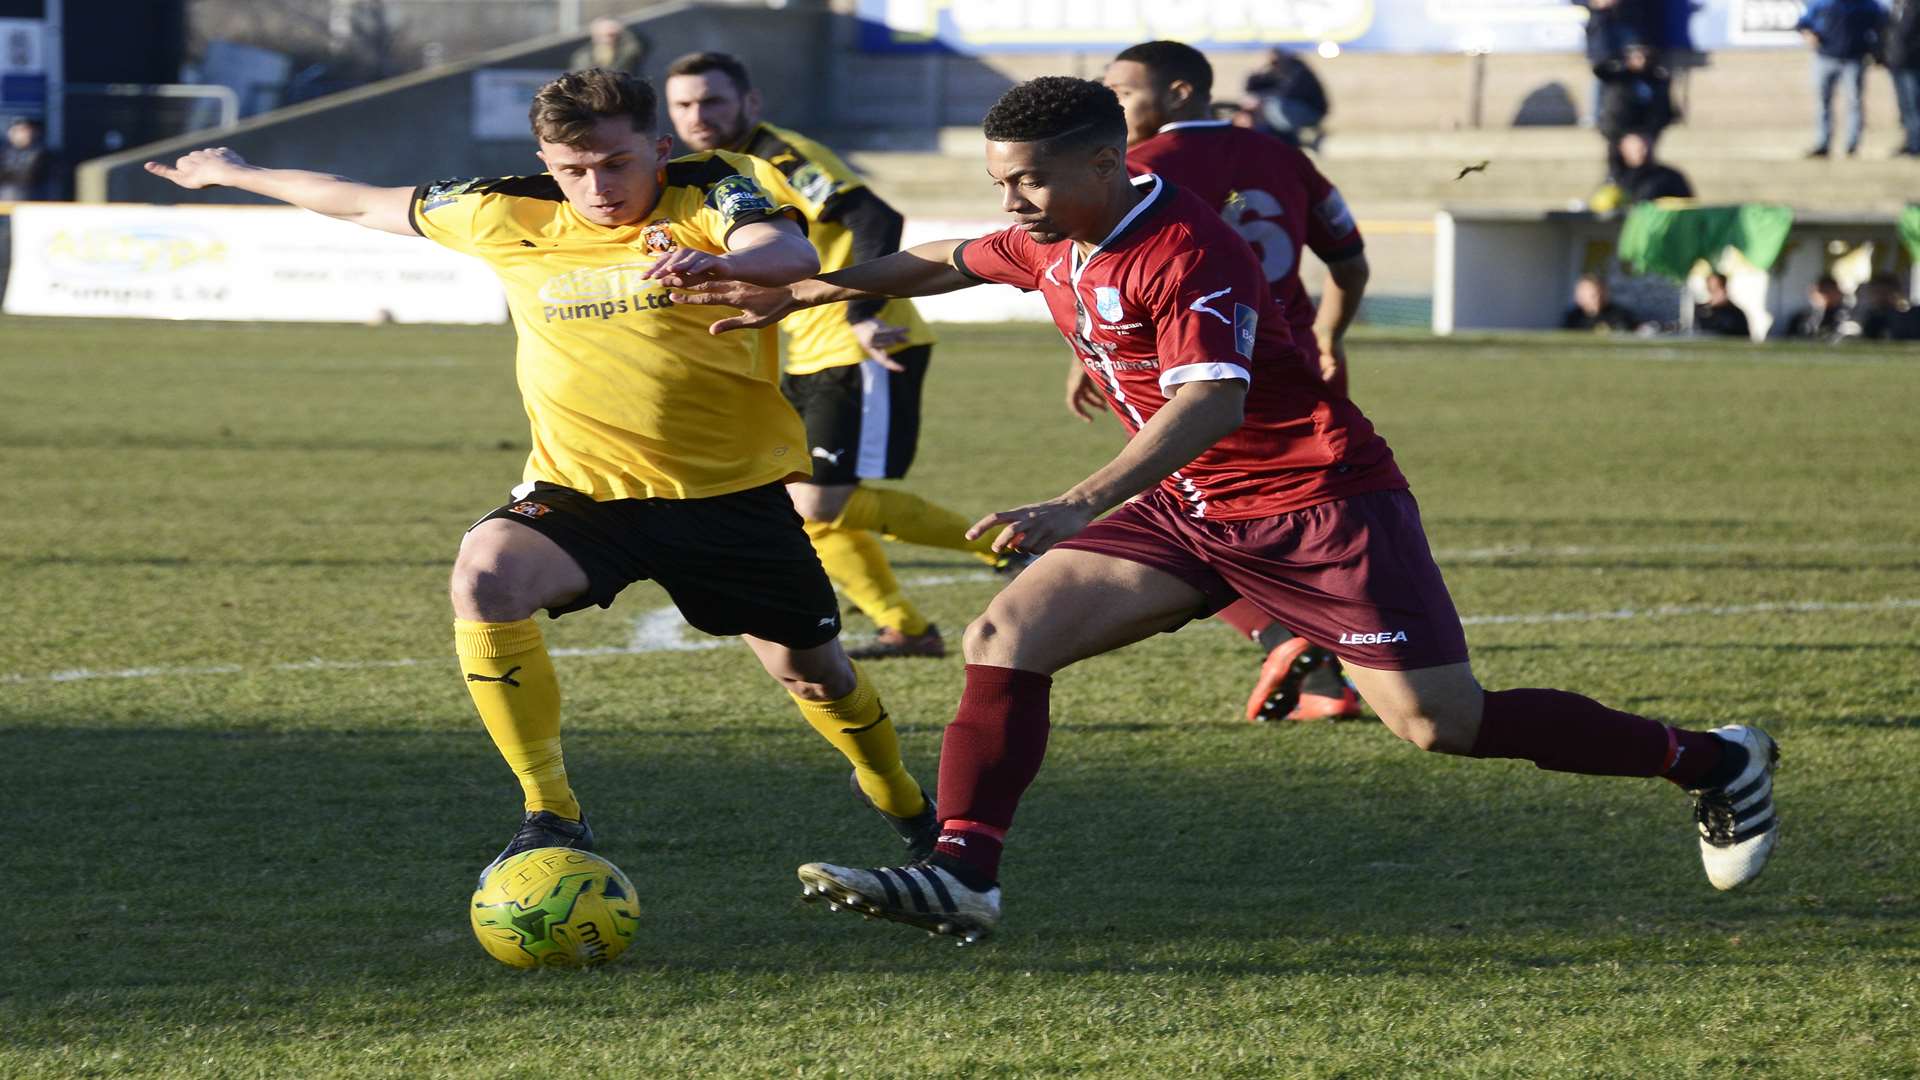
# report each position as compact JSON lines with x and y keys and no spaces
{"x":659,"y":451}
{"x":1244,"y":474}
{"x":1272,"y":195}
{"x":854,"y":371}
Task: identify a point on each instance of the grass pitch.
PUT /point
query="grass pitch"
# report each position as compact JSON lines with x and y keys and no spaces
{"x":246,"y":796}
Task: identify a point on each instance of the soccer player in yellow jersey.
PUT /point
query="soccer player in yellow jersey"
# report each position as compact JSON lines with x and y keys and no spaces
{"x":855,"y":371}
{"x":659,"y":450}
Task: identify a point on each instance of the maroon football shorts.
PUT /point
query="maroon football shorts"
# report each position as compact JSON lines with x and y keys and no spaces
{"x":1353,"y":575}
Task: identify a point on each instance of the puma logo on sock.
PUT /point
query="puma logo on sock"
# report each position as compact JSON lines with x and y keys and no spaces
{"x":858,"y":730}
{"x":507,"y":678}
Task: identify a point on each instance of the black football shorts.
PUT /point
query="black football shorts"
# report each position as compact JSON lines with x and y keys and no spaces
{"x":734,"y":564}
{"x":863,"y":421}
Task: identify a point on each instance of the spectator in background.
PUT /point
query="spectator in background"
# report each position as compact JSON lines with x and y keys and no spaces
{"x":1719,"y":315}
{"x":1884,"y":314}
{"x":1285,"y":97}
{"x":612,"y":46}
{"x":23,"y":162}
{"x":1641,"y":178}
{"x":1822,"y":318}
{"x":1902,"y":54}
{"x":1843,"y":33}
{"x":1636,"y":95}
{"x":1593,"y":311}
{"x":1612,"y":25}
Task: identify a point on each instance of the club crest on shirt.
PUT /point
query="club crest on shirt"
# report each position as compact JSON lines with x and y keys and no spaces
{"x":1245,"y":322}
{"x":657,"y":237}
{"x":530,"y":509}
{"x":1106,"y":300}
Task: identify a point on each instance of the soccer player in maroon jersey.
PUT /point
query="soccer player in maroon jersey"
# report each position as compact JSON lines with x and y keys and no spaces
{"x":1243,"y":475}
{"x":1272,"y":195}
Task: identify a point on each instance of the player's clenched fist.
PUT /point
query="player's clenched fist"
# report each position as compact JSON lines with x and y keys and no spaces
{"x":202,"y":168}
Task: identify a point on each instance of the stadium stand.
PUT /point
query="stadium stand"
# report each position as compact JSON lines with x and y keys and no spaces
{"x":1402,"y":128}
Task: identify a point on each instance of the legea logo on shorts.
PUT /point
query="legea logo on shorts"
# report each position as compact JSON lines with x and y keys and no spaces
{"x":1384,"y":637}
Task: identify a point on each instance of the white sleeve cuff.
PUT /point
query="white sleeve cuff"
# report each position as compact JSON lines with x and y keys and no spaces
{"x":1187,"y":373}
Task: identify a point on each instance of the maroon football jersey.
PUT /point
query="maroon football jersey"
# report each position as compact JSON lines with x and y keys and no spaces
{"x":1268,"y":191}
{"x":1172,"y":296}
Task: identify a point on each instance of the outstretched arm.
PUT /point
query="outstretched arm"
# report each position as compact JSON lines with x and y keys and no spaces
{"x":1198,"y":415}
{"x":379,"y":208}
{"x":771,"y":252}
{"x":923,"y":270}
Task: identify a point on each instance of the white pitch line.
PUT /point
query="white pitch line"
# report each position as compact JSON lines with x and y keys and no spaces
{"x":1575,"y":551}
{"x":1666,"y":611}
{"x":663,"y":630}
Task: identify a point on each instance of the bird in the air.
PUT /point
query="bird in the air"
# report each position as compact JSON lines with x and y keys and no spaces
{"x":1478,"y":166}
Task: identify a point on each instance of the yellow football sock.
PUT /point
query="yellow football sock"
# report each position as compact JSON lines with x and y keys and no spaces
{"x":854,"y":560}
{"x":857,"y":726}
{"x":512,"y":683}
{"x":902,"y":515}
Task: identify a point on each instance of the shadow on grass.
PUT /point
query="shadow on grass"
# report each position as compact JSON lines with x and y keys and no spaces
{"x":1732,"y":563}
{"x":1790,"y":648}
{"x":205,"y":867}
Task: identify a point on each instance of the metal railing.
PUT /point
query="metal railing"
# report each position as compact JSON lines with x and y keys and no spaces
{"x":224,"y":97}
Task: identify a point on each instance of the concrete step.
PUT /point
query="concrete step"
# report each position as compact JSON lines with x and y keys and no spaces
{"x":1414,"y":173}
{"x":1685,"y":142}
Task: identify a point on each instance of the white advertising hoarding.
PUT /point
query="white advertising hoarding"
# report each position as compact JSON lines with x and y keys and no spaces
{"x":236,"y":263}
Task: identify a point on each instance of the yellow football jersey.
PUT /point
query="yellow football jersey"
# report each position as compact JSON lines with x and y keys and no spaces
{"x":628,"y":395}
{"x":819,"y":338}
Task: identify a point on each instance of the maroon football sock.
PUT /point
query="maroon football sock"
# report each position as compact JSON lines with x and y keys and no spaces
{"x":1569,"y":733}
{"x":990,"y":753}
{"x":1246,"y":618}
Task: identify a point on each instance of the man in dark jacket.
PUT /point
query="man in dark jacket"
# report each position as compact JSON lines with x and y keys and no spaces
{"x":23,"y":162}
{"x":1902,"y":53}
{"x":1884,"y":314}
{"x":1612,"y":25}
{"x":1636,"y":95}
{"x":1593,"y":311}
{"x":1641,"y":178}
{"x":1286,"y":97}
{"x":1823,"y":317}
{"x":1843,"y":33}
{"x":1719,"y":315}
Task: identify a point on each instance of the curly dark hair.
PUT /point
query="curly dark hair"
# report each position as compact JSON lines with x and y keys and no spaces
{"x":1168,"y":61}
{"x":1060,"y":110}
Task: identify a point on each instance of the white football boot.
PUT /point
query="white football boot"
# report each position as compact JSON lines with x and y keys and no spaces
{"x":1738,"y":827}
{"x":918,"y":894}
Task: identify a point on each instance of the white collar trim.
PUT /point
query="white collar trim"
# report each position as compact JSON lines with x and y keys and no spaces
{"x":1154,"y":186}
{"x":1179,"y":124}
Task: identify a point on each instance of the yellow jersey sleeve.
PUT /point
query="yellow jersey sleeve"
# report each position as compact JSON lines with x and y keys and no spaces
{"x":815,"y":173}
{"x":463,"y":214}
{"x":734,"y":190}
